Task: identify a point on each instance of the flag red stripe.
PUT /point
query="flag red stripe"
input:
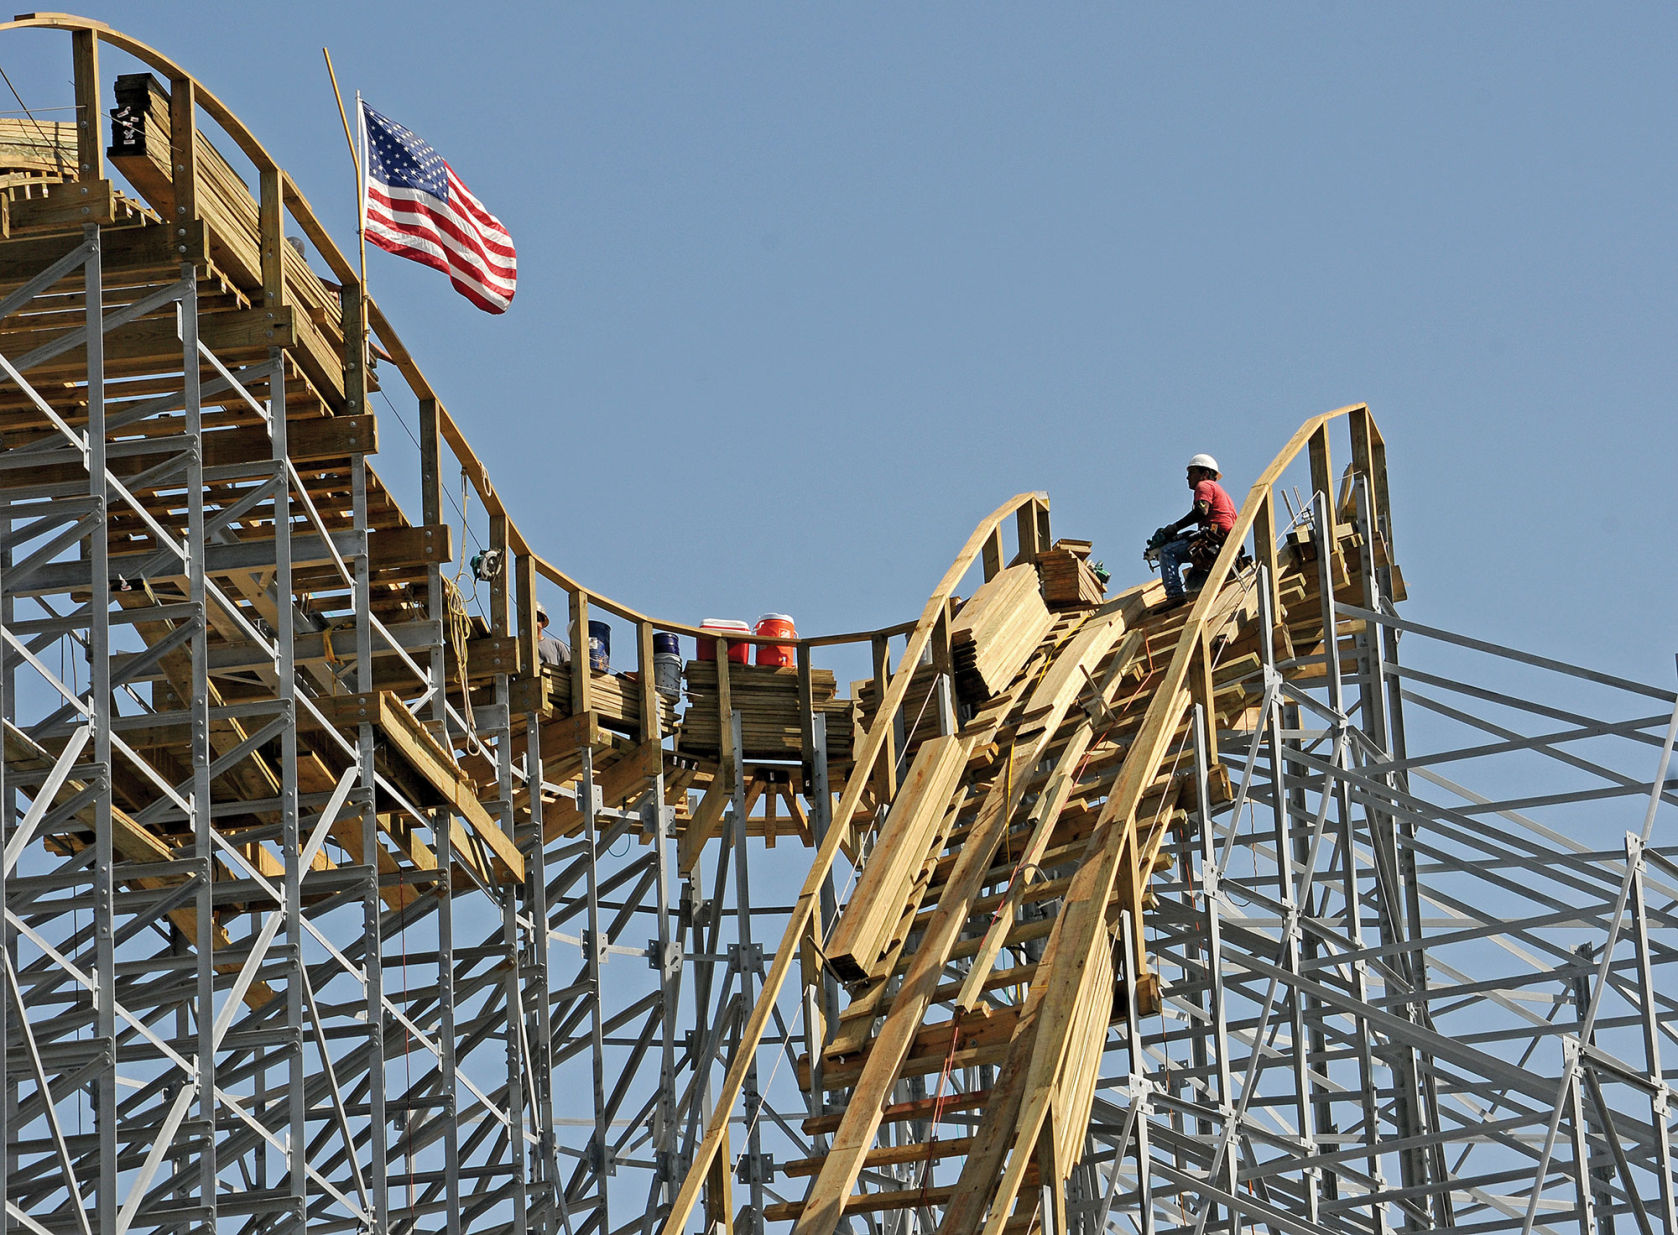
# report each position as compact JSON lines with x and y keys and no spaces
{"x":410,"y":214}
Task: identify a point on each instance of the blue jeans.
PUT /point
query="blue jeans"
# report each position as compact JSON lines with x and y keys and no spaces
{"x":1173,"y":555}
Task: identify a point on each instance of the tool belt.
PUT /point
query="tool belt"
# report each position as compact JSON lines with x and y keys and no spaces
{"x":1204,"y":548}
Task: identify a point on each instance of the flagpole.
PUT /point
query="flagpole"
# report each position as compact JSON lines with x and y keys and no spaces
{"x":356,"y":158}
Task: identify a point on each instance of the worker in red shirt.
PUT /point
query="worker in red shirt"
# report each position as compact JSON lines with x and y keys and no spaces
{"x":1211,"y":517}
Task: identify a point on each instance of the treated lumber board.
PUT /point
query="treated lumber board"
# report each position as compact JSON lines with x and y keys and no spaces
{"x":74,"y":203}
{"x":705,"y":824}
{"x":888,"y":1155}
{"x":407,"y":738}
{"x":152,"y":344}
{"x":981,"y":1026}
{"x":308,"y":439}
{"x":706,"y":1156}
{"x":893,"y":1046}
{"x":854,"y":945}
{"x":1068,"y":580}
{"x":138,"y":252}
{"x":45,"y":147}
{"x":615,"y":786}
{"x":903,"y":1112}
{"x":388,"y":549}
{"x":995,"y":632}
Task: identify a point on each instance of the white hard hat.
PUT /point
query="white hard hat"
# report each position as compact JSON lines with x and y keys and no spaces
{"x":1205,"y":461}
{"x":541,"y":614}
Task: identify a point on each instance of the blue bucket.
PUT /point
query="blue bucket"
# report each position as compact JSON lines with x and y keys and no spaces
{"x":666,"y":642}
{"x":600,"y":647}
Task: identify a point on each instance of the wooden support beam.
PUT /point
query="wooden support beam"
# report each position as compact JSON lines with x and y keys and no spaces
{"x":58,"y":206}
{"x":183,"y":152}
{"x":90,"y":150}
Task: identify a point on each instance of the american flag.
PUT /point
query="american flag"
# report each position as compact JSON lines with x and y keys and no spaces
{"x":417,"y":208}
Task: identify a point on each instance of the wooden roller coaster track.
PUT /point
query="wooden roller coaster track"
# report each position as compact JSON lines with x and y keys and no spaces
{"x":297,"y":753}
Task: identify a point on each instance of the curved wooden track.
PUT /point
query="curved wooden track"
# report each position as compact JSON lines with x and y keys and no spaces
{"x":290,"y":713}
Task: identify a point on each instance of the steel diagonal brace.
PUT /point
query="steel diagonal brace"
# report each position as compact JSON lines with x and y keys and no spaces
{"x":79,"y":1204}
{"x":331,"y":1074}
{"x":108,"y":323}
{"x":328,"y":816}
{"x":78,"y":440}
{"x":154,"y":1157}
{"x":52,"y":679}
{"x":28,"y":1223}
{"x":71,"y":261}
{"x":1600,"y":983}
{"x":138,"y":1025}
{"x":18,"y":576}
{"x":45,"y":794}
{"x":247,"y":975}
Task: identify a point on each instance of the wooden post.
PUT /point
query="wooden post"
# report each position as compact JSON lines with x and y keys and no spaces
{"x":1322,"y":471}
{"x":431,"y":512}
{"x":725,"y":717}
{"x":885,"y":767}
{"x":806,"y":716}
{"x":582,"y":689}
{"x":719,"y":1190}
{"x":183,"y":157}
{"x":993,"y":553}
{"x":1025,"y":524}
{"x":529,"y":663}
{"x":90,"y":148}
{"x":1200,"y":690}
{"x":1369,"y":456}
{"x":1264,"y":548}
{"x":500,"y":610}
{"x":648,"y":682}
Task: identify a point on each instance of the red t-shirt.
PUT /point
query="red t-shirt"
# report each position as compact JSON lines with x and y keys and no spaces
{"x":1222,"y":515}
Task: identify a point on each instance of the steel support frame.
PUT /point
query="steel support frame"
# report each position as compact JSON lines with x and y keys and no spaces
{"x":1407,"y":906}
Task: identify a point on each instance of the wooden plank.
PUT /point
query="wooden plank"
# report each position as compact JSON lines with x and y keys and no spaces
{"x":74,"y":204}
{"x":153,"y":339}
{"x":617,"y":785}
{"x":706,"y":1155}
{"x":896,"y":1036}
{"x":705,"y":824}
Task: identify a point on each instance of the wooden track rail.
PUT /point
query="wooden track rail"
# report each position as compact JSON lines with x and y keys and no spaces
{"x":302,"y":720}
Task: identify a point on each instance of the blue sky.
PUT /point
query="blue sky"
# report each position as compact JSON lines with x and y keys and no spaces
{"x":806,"y":290}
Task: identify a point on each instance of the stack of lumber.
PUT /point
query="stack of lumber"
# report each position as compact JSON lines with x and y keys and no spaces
{"x":34,"y":151}
{"x":912,"y":832}
{"x":997,"y":630}
{"x":766,"y":696}
{"x":920,"y":708}
{"x":614,"y":697}
{"x":1068,"y":581}
{"x":140,"y":150}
